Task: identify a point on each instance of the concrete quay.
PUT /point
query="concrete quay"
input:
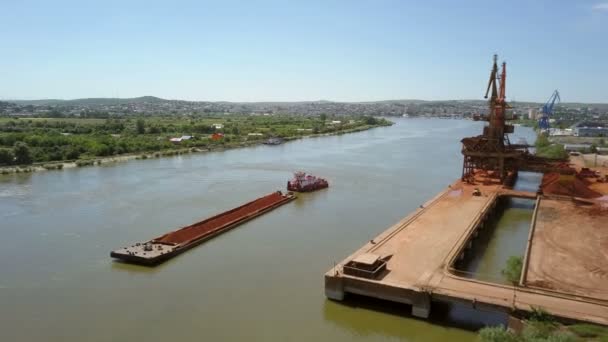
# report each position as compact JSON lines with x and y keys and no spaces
{"x":411,"y":262}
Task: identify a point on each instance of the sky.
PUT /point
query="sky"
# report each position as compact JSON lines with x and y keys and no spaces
{"x":306,"y":50}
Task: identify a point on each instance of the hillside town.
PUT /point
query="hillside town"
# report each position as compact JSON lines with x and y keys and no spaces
{"x":149,"y":105}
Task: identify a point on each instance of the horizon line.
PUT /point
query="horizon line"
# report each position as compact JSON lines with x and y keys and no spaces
{"x":277,"y":101}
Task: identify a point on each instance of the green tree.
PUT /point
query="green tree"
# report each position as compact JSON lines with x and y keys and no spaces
{"x":513,"y":269}
{"x":140,"y":126}
{"x":22,"y":153}
{"x":370,"y":120}
{"x":6,"y":156}
{"x":542,"y":141}
{"x":72,"y":153}
{"x":154,"y":130}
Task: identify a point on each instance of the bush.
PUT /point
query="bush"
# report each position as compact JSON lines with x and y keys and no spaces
{"x":538,"y":330}
{"x":22,"y":153}
{"x":540,"y":315}
{"x":496,"y":334}
{"x":588,"y":330}
{"x":140,"y":126}
{"x":513,"y":269}
{"x":72,"y":153}
{"x":561,"y":337}
{"x":6,"y":156}
{"x":544,"y":148}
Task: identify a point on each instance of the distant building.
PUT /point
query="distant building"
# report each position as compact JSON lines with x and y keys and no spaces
{"x":560,"y":132}
{"x":532,"y":114}
{"x":591,"y":129}
{"x":217,"y":126}
{"x":576,"y":147}
{"x":180,"y":139}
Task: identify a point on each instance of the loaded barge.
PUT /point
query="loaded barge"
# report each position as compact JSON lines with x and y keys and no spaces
{"x":171,"y":244}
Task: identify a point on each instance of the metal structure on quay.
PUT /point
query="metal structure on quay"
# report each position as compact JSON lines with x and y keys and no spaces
{"x":492,"y":151}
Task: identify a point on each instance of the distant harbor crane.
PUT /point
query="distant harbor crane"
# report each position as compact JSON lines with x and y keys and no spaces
{"x":547,"y":111}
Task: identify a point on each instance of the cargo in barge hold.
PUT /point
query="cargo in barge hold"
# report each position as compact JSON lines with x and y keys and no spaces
{"x":169,"y":245}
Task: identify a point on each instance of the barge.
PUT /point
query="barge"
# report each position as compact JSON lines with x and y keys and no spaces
{"x":164,"y":247}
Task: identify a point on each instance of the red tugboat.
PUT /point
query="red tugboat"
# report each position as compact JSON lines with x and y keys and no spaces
{"x":302,"y":182}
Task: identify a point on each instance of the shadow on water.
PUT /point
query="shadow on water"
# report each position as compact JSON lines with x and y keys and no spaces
{"x":447,"y":315}
{"x":120,"y":265}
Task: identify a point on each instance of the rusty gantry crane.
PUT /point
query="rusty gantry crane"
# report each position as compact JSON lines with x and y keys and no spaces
{"x":492,"y":151}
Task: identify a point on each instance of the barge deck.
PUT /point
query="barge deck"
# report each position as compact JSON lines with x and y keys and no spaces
{"x":164,"y":247}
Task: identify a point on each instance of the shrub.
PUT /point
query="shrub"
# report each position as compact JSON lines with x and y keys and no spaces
{"x":588,"y":330}
{"x":537,"y":330}
{"x":6,"y":156}
{"x":540,"y":315}
{"x":496,"y":334}
{"x":22,"y":153}
{"x":513,"y":269}
{"x":140,"y":126}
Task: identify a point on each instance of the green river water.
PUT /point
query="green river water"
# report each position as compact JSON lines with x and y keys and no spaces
{"x":262,"y":281}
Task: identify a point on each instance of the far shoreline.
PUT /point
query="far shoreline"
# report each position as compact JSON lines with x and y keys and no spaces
{"x":69,"y":164}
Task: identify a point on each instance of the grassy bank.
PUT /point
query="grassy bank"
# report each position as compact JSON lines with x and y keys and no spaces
{"x":540,"y":326}
{"x":36,"y":144}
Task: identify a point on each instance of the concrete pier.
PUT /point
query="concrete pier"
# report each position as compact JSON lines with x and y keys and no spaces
{"x":421,"y":249}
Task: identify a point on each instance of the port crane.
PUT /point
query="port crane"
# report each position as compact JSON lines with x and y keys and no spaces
{"x":547,"y":110}
{"x":491,"y":151}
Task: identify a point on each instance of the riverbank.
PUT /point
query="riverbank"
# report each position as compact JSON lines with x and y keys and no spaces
{"x":67,"y":164}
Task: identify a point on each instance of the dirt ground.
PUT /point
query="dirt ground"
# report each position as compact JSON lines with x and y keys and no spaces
{"x":569,"y":251}
{"x":595,"y":161}
{"x":600,"y":164}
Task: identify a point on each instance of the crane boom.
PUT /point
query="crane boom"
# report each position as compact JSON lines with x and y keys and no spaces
{"x":547,"y":110}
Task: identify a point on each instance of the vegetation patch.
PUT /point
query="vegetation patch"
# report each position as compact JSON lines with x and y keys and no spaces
{"x":539,"y":327}
{"x":513,"y":269}
{"x":45,"y":140}
{"x":544,"y":148}
{"x":589,"y":330}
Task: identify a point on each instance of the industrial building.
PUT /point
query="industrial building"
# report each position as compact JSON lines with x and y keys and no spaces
{"x":591,"y":129}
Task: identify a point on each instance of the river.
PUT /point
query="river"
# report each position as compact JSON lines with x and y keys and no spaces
{"x":506,"y":235}
{"x":262,"y":281}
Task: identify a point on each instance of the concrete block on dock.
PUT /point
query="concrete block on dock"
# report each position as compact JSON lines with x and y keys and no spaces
{"x":334,"y":287}
{"x":421,"y":305}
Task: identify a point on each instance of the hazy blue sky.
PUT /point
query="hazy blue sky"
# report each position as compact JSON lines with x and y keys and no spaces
{"x":302,"y":50}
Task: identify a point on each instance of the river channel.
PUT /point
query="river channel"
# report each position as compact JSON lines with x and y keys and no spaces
{"x":262,"y":281}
